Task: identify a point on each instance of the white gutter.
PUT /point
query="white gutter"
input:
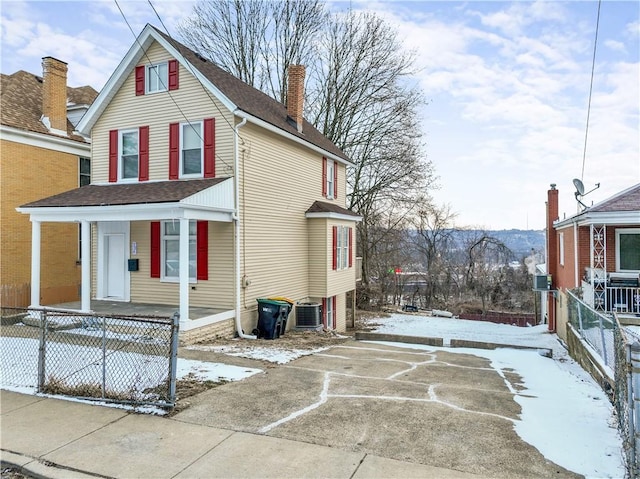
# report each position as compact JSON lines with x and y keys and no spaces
{"x":236,"y":222}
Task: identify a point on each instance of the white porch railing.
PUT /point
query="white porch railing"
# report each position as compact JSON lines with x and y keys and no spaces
{"x":622,"y":300}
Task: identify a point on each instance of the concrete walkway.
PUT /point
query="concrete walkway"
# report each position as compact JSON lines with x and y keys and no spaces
{"x":52,"y":438}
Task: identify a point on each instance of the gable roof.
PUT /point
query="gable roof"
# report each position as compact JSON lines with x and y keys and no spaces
{"x":126,"y":193}
{"x":21,"y":103}
{"x":623,"y":208}
{"x":236,"y":95}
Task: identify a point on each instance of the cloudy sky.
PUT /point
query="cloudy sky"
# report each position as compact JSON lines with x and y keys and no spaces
{"x":507,"y":83}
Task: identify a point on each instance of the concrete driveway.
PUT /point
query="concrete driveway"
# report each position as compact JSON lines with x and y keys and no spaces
{"x":429,"y":407}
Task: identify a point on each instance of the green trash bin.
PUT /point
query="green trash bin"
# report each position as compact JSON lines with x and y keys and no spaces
{"x":271,"y":314}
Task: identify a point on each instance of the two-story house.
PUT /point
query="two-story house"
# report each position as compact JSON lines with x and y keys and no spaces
{"x":40,"y":155}
{"x":206,"y":194}
{"x":595,"y":252}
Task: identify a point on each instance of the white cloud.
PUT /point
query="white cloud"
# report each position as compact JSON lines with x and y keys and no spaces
{"x":615,"y":45}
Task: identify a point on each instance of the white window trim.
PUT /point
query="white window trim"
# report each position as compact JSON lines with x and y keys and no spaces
{"x":163,"y":255}
{"x":163,"y":83}
{"x":121,"y":179}
{"x":180,"y":166}
{"x":622,"y":231}
{"x":561,"y":245}
{"x":330,"y":313}
{"x":331,"y":187}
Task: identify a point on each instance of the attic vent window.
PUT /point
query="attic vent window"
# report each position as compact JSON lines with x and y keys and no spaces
{"x":157,"y":77}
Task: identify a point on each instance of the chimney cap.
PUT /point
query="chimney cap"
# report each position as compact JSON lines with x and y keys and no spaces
{"x":53,"y":58}
{"x":553,"y":186}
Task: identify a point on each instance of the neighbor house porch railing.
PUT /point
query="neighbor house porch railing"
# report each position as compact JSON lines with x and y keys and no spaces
{"x":612,"y":299}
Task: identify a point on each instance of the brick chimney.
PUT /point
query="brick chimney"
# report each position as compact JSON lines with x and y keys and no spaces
{"x":295,"y":94}
{"x":552,"y":252}
{"x":54,"y":95}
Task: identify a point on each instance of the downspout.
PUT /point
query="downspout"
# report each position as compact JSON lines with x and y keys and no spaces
{"x":236,"y":222}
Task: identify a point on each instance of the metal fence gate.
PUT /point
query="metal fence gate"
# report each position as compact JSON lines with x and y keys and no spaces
{"x":123,"y":359}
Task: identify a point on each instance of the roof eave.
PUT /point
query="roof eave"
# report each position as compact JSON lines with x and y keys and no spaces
{"x":334,"y":215}
{"x":588,"y":218}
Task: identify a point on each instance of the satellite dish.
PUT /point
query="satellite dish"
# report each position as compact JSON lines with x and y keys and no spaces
{"x":579,"y":187}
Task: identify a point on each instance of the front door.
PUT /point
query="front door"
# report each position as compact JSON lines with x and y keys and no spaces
{"x":115,"y":266}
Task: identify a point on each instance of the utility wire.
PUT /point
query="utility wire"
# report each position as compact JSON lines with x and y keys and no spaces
{"x":165,"y":86}
{"x":593,"y":66}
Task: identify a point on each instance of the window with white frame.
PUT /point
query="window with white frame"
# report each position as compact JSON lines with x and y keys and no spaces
{"x":129,"y":154}
{"x":330,"y":313}
{"x":331,"y":186}
{"x":342,"y":248}
{"x":171,"y":250}
{"x":157,"y":77}
{"x":628,"y":249}
{"x":561,"y":248}
{"x":191,"y":150}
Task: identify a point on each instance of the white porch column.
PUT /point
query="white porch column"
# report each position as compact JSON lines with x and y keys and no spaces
{"x":35,"y":264}
{"x":184,"y":269}
{"x":85,"y":282}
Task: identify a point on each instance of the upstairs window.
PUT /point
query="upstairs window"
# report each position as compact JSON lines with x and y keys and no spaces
{"x":157,"y":78}
{"x":342,"y":247}
{"x":628,"y":249}
{"x":128,"y":155}
{"x":191,"y":157}
{"x":329,"y":179}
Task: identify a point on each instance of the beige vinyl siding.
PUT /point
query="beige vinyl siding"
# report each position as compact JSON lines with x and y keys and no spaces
{"x":341,"y":312}
{"x":216,"y":292}
{"x":158,"y":110}
{"x":318,"y":260}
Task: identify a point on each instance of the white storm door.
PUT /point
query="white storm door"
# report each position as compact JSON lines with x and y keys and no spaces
{"x":115,"y":266}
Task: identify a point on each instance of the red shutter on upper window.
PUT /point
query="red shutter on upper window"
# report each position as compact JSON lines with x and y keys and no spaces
{"x":143,"y":170}
{"x":113,"y":156}
{"x":210,"y":148}
{"x":334,"y":312}
{"x":202,"y":248}
{"x":140,"y":72}
{"x":350,"y":247}
{"x":173,"y":74}
{"x":335,"y":247}
{"x":174,"y":150}
{"x":335,"y":180}
{"x":324,"y":176}
{"x":155,"y":249}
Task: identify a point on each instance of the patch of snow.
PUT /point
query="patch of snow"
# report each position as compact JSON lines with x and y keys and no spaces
{"x":272,"y":355}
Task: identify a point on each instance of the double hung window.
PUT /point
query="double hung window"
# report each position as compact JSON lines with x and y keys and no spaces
{"x":171,"y":250}
{"x":157,"y":77}
{"x":129,"y":154}
{"x":191,"y":151}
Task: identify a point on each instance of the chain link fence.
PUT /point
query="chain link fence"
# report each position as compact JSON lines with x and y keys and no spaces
{"x":123,"y":359}
{"x":594,"y":327}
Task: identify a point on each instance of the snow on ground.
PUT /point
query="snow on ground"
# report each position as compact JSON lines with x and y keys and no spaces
{"x":272,"y":355}
{"x":565,"y":413}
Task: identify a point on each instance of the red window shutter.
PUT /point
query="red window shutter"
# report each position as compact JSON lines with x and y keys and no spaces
{"x":335,"y":302}
{"x":350,"y":247}
{"x":202,"y":248}
{"x":174,"y":150}
{"x":155,"y":249}
{"x":210,"y":148}
{"x":335,"y":180}
{"x":113,"y":156}
{"x":324,"y":176}
{"x":143,"y":170}
{"x":140,"y":72}
{"x":173,"y":74}
{"x":324,"y":312}
{"x":335,"y":247}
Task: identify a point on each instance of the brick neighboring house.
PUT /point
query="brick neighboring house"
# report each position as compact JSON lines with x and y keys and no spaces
{"x":598,"y":251}
{"x":40,"y":155}
{"x":206,"y":194}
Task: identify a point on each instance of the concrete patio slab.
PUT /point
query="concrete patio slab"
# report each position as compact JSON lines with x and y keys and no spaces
{"x":9,"y":401}
{"x":375,"y":467}
{"x":140,"y":446}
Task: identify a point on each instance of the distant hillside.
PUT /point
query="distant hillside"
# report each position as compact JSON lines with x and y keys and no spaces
{"x":519,"y":241}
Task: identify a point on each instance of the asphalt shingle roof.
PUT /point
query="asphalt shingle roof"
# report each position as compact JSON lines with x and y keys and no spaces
{"x":628,"y":200}
{"x":252,"y":100}
{"x":324,"y":207}
{"x":21,"y":102}
{"x":127,"y":193}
